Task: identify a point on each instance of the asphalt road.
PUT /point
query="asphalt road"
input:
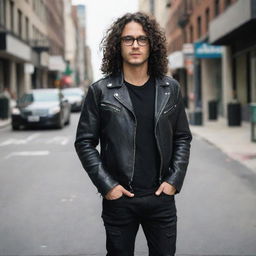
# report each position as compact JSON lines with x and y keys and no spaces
{"x":48,"y":205}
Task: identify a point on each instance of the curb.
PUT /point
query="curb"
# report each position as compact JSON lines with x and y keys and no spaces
{"x":4,"y":124}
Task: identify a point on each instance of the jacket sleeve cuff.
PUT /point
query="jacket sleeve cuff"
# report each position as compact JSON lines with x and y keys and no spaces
{"x":175,"y":181}
{"x":101,"y":179}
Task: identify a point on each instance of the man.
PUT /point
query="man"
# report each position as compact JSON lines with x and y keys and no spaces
{"x":137,"y":114}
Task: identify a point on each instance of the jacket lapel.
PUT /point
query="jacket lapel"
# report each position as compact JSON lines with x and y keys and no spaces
{"x":122,"y":95}
{"x":120,"y":92}
{"x":162,"y":97}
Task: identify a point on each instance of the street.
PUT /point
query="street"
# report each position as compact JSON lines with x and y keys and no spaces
{"x":50,"y":207}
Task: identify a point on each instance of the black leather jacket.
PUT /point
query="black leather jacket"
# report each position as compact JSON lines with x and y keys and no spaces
{"x":108,"y":116}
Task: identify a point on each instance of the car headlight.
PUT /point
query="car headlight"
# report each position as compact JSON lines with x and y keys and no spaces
{"x":54,"y":110}
{"x":15,"y":111}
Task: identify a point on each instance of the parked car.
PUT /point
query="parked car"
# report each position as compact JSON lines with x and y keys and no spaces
{"x":41,"y":107}
{"x":75,"y":96}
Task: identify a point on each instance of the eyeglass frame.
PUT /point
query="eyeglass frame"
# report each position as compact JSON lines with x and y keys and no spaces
{"x":135,"y":39}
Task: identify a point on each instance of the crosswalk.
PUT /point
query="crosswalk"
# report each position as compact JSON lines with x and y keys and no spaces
{"x":36,"y":138}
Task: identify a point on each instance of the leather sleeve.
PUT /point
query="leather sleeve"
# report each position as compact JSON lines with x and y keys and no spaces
{"x":181,"y":147}
{"x":87,"y":138}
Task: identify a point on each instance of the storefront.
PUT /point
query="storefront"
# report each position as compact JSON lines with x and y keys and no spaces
{"x":207,"y":82}
{"x":236,"y":30}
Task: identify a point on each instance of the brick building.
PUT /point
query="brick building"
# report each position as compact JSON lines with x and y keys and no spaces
{"x":211,"y":47}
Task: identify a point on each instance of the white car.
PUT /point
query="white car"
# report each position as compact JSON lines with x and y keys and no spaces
{"x":75,"y":96}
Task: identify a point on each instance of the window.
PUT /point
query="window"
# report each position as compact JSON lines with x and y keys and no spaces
{"x":199,"y":31}
{"x":217,"y":7}
{"x":191,"y":32}
{"x":227,"y":3}
{"x":12,"y":15}
{"x":3,"y":12}
{"x":20,"y":23}
{"x":207,"y":18}
{"x":152,"y":7}
{"x":27,"y":28}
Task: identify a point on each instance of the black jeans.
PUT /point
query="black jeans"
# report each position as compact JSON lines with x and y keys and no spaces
{"x":157,"y":216}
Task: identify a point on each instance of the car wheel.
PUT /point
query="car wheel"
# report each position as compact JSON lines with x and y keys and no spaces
{"x":60,"y":124}
{"x":15,"y":127}
{"x":68,"y":121}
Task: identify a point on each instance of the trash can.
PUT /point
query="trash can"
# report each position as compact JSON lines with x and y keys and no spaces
{"x":4,"y":107}
{"x":234,"y":114}
{"x":196,"y":117}
{"x":253,"y":121}
{"x":212,"y":110}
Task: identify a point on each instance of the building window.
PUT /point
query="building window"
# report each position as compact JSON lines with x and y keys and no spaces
{"x":227,"y":3}
{"x":3,"y":12}
{"x":207,"y":18}
{"x":27,"y":29}
{"x":199,"y":31}
{"x":12,"y":15}
{"x":20,"y":23}
{"x":191,"y":32}
{"x":152,"y":7}
{"x":217,"y":7}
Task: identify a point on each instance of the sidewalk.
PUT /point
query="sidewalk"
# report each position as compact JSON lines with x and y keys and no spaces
{"x":4,"y":122}
{"x":234,"y":141}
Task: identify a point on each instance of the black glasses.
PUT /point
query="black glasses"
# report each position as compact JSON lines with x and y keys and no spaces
{"x":129,"y":40}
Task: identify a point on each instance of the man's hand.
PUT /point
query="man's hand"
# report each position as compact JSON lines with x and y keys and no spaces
{"x":116,"y":192}
{"x":166,"y":188}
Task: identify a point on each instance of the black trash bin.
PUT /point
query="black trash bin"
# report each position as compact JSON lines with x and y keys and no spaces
{"x":196,"y":117}
{"x":253,"y":121}
{"x":212,"y":110}
{"x":234,"y":114}
{"x":4,"y":107}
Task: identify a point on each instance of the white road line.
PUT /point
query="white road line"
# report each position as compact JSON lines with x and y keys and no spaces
{"x":28,"y":153}
{"x":20,"y":141}
{"x":32,"y":136}
{"x":58,"y":140}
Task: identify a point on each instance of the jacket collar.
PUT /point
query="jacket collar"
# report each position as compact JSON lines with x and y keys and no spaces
{"x":122,"y":94}
{"x":118,"y":81}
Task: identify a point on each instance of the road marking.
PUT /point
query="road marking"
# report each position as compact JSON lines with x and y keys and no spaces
{"x":28,"y":153}
{"x":58,"y":140}
{"x":20,"y":141}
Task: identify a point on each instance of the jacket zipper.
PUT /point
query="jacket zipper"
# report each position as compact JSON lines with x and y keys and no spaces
{"x":170,"y":109}
{"x":157,"y":142}
{"x":110,"y":106}
{"x":161,"y":159}
{"x":134,"y":146}
{"x":134,"y":153}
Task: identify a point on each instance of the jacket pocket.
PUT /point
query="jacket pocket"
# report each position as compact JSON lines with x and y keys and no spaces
{"x":109,"y":106}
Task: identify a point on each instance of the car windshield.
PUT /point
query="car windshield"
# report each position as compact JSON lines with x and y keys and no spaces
{"x":45,"y":96}
{"x":73,"y":92}
{"x":26,"y":99}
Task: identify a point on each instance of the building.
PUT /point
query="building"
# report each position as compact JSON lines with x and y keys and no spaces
{"x":235,"y":29}
{"x":40,"y":42}
{"x":23,"y":45}
{"x":157,"y":8}
{"x":71,"y":41}
{"x":203,"y":63}
{"x":55,"y":31}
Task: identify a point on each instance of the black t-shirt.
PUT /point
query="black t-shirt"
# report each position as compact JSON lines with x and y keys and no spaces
{"x":147,"y":162}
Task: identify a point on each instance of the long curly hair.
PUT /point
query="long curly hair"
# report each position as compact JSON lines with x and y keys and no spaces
{"x":111,"y":45}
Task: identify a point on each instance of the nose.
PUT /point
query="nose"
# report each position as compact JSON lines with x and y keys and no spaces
{"x":135,"y":44}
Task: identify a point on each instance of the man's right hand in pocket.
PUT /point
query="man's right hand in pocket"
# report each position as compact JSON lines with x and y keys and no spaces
{"x":116,"y":192}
